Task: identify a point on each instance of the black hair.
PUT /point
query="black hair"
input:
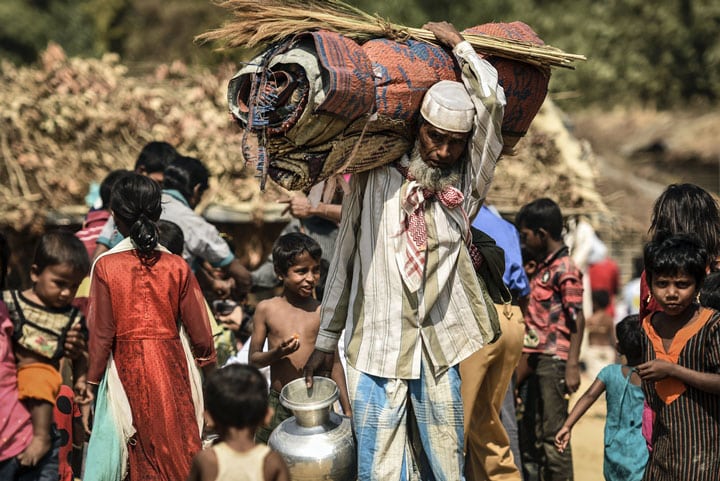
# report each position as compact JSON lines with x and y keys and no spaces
{"x":135,"y":200}
{"x":679,"y":253}
{"x":155,"y":157}
{"x":236,"y":396}
{"x":689,"y":209}
{"x":61,"y":247}
{"x":710,"y":291}
{"x":4,"y":259}
{"x":289,"y":246}
{"x":171,"y":236}
{"x":629,"y":337}
{"x":600,"y":299}
{"x":539,"y":214}
{"x":638,"y":266}
{"x":184,"y":174}
{"x":107,"y":184}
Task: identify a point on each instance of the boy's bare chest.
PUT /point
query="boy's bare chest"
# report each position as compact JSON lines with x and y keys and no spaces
{"x":289,"y":322}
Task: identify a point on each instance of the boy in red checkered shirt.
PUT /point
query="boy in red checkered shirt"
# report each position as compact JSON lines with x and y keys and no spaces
{"x":554,"y":324}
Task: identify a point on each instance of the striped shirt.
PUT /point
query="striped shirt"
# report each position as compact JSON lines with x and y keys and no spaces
{"x":686,"y":432}
{"x":388,"y":326}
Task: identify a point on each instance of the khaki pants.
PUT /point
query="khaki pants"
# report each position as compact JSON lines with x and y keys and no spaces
{"x":485,"y":378}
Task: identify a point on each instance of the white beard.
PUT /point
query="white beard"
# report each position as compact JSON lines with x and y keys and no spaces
{"x":432,"y":178}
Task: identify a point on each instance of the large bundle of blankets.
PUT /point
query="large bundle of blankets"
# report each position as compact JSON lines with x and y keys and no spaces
{"x":320,"y":104}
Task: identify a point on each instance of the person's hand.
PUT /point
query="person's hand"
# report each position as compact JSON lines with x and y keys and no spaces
{"x":38,"y":447}
{"x":655,"y":370}
{"x":298,"y":206}
{"x":222,"y":287}
{"x":289,"y":345}
{"x":75,"y":343}
{"x":572,"y":377}
{"x":232,"y":321}
{"x":320,"y":362}
{"x":86,"y":413}
{"x":83,"y":393}
{"x":445,"y":32}
{"x":562,"y":438}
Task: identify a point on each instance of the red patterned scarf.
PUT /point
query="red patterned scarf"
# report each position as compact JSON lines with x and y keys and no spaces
{"x":414,"y":228}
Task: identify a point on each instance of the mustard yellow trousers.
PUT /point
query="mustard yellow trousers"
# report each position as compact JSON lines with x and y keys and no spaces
{"x":485,"y":379}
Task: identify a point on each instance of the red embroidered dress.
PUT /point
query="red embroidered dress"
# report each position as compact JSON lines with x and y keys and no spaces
{"x":133,"y":312}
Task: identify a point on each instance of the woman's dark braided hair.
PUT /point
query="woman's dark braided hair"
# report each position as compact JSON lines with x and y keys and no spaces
{"x":135,"y":200}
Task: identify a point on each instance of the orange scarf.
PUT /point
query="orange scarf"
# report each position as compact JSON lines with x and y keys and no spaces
{"x":670,"y":388}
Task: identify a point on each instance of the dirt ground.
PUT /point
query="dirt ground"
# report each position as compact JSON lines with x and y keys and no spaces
{"x":587,"y":439}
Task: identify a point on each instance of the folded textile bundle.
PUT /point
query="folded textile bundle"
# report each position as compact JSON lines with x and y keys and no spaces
{"x":404,"y":72}
{"x":525,"y":85}
{"x":320,"y":104}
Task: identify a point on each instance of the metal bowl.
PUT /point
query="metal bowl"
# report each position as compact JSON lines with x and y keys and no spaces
{"x":311,"y":406}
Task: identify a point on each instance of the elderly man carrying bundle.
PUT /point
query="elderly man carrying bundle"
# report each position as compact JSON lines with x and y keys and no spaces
{"x":403,"y":285}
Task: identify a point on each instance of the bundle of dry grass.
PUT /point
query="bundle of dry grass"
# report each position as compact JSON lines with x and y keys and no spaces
{"x":268,"y":21}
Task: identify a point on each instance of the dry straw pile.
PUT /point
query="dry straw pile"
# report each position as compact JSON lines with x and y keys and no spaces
{"x":68,"y":122}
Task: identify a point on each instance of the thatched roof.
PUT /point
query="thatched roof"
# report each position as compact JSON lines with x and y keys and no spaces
{"x":69,"y":121}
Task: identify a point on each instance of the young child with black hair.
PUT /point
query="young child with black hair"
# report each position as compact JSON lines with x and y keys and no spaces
{"x":42,"y":316}
{"x":290,"y":323}
{"x":625,"y":453}
{"x":554,"y":330}
{"x":681,"y":363}
{"x":154,"y":157}
{"x":16,"y":428}
{"x":236,"y":405}
{"x":170,"y":236}
{"x":683,"y":209}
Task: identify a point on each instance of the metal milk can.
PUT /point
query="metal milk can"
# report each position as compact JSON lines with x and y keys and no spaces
{"x":316,"y":443}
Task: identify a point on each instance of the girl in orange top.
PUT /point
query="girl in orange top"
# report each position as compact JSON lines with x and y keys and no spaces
{"x":681,"y":364}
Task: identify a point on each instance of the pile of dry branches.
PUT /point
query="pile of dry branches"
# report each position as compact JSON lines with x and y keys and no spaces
{"x":68,"y":122}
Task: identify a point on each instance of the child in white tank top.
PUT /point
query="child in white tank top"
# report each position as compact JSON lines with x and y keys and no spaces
{"x":236,"y":404}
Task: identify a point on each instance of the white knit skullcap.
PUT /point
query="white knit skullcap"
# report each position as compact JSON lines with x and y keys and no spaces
{"x":448,"y":106}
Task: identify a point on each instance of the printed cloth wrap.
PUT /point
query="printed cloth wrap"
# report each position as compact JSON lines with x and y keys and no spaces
{"x":320,"y":104}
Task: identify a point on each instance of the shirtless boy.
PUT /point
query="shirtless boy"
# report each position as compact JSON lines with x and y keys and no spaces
{"x":290,"y":323}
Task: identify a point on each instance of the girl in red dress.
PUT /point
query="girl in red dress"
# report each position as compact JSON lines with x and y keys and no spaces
{"x":141,"y":297}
